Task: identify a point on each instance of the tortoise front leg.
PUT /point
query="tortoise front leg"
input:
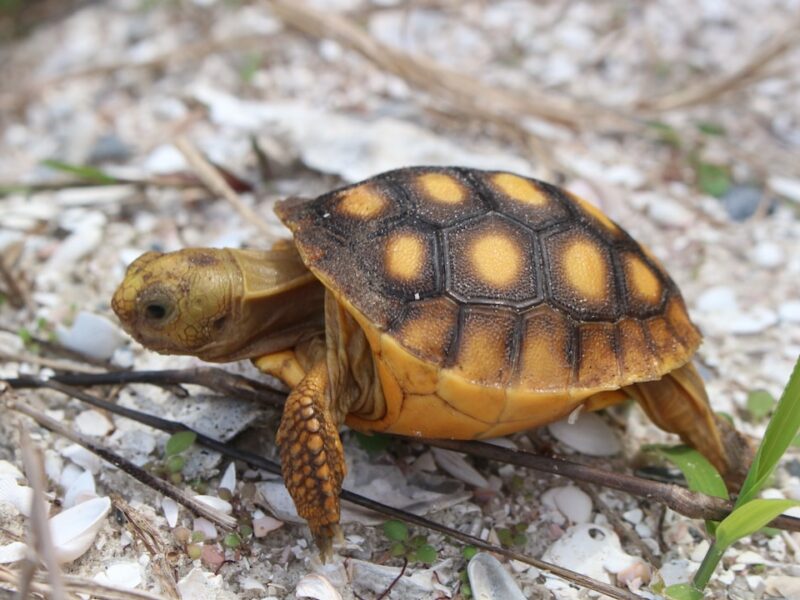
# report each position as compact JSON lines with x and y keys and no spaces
{"x":312,"y":458}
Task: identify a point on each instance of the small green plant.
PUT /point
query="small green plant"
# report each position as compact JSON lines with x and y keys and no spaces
{"x":760,"y":404}
{"x":174,"y":458}
{"x":512,"y":536}
{"x":749,"y":514}
{"x":414,"y":548}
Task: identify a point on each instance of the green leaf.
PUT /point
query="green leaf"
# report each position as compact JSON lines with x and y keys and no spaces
{"x":700,"y":475}
{"x":375,"y":443}
{"x":426,"y":554}
{"x":397,"y":549}
{"x":468,"y":552}
{"x":683,"y":591}
{"x":711,"y":128}
{"x":232,"y":540}
{"x":180,"y":442}
{"x":395,"y":531}
{"x":712,"y":179}
{"x":760,"y":403}
{"x":84,"y":172}
{"x":749,"y":518}
{"x":781,"y":431}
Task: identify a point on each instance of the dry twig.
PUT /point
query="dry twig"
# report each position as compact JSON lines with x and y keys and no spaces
{"x":752,"y":71}
{"x":77,"y":585}
{"x":272,"y":467}
{"x":165,"y":488}
{"x":690,"y":504}
{"x":217,"y":184}
{"x":40,"y":536}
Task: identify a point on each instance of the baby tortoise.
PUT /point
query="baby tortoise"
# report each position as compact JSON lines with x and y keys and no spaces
{"x":434,"y":302}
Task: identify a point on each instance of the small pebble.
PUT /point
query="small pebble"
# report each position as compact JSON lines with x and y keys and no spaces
{"x":741,"y":201}
{"x":263,"y":525}
{"x":92,"y":335}
{"x":670,"y":213}
{"x":589,"y":434}
{"x":571,"y":501}
{"x":768,"y":255}
{"x":633,"y":516}
{"x":789,"y":311}
{"x":93,"y":422}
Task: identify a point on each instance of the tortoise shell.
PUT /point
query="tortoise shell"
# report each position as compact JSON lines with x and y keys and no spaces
{"x":483,"y":282}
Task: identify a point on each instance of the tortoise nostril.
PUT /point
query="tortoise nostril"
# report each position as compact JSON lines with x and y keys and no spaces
{"x":155,"y":311}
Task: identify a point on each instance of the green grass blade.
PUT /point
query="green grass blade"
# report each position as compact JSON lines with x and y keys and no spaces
{"x":683,"y":591}
{"x":700,"y":475}
{"x":749,"y":518}
{"x":781,"y":431}
{"x":84,"y":172}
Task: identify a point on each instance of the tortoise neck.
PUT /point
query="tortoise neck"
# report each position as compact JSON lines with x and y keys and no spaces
{"x":280,"y":302}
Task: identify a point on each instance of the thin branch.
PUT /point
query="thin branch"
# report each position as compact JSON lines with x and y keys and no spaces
{"x":679,"y":499}
{"x":219,"y":380}
{"x":467,"y":94}
{"x":80,"y":585}
{"x":165,"y":488}
{"x":747,"y":74}
{"x":273,"y":467}
{"x":41,"y":537}
{"x":215,"y":182}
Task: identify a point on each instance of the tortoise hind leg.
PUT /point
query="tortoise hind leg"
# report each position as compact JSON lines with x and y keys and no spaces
{"x":312,"y":458}
{"x":678,"y":403}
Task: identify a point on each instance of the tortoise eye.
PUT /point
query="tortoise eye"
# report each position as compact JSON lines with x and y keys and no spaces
{"x":155,"y":311}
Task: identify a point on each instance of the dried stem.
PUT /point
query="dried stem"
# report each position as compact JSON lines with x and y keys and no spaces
{"x":77,"y":585}
{"x":215,"y":182}
{"x":745,"y":75}
{"x":683,"y":501}
{"x":167,"y":489}
{"x":40,"y":535}
{"x":272,"y":467}
{"x":466,"y":94}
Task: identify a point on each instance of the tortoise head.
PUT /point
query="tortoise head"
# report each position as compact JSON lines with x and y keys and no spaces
{"x":216,"y":304}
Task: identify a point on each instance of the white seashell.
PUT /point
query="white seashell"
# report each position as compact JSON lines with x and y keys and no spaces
{"x":789,"y":311}
{"x":9,"y":471}
{"x":263,"y":525}
{"x":279,"y":501}
{"x":18,"y":496}
{"x":316,"y":586}
{"x":12,"y":552}
{"x":74,"y":529}
{"x":82,"y":457}
{"x":92,"y":335}
{"x":171,"y":510}
{"x":590,"y":549}
{"x":199,"y":584}
{"x":251,"y":583}
{"x":588,"y":435}
{"x":490,"y":581}
{"x":455,"y":464}
{"x":80,"y":490}
{"x":93,"y":422}
{"x":571,"y":501}
{"x":216,"y":503}
{"x":127,"y":575}
{"x":205,"y":527}
{"x":53,"y":465}
{"x":228,"y":480}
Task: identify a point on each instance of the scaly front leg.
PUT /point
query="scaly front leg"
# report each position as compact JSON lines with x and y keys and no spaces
{"x":312,"y":458}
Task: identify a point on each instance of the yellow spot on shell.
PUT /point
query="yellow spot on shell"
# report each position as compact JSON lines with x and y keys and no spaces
{"x":497,"y":259}
{"x":405,"y":256}
{"x":361,"y":202}
{"x":442,"y":188}
{"x":585,"y":269}
{"x":596,"y":213}
{"x":642,"y":282}
{"x":519,"y":188}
